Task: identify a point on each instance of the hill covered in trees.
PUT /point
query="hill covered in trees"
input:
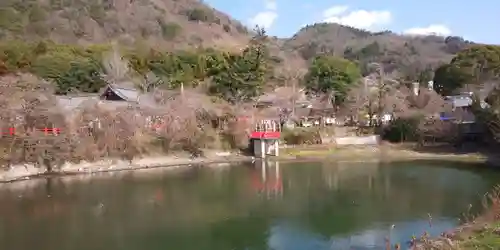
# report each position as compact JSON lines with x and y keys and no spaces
{"x":186,"y":24}
{"x":408,"y":54}
{"x":169,"y":43}
{"x":169,"y":24}
{"x":187,"y":41}
{"x":166,"y":25}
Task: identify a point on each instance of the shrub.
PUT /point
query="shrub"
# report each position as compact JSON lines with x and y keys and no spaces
{"x":200,"y":15}
{"x":59,"y":4}
{"x":402,"y":129}
{"x":97,"y":12}
{"x":226,"y":28}
{"x":37,"y":14}
{"x":53,"y":65}
{"x":39,"y":28}
{"x":10,"y":19}
{"x":16,"y":55}
{"x":191,"y":122}
{"x":81,"y":77}
{"x":170,"y":30}
{"x":3,"y":68}
{"x":301,"y":136}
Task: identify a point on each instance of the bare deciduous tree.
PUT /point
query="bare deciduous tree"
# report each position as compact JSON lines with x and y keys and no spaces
{"x":190,"y":121}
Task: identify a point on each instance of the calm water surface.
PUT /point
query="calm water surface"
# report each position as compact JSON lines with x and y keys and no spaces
{"x":293,"y":206}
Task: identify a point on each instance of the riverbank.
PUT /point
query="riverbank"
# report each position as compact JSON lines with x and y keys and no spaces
{"x":384,"y":153}
{"x":477,"y":233}
{"x":28,"y":171}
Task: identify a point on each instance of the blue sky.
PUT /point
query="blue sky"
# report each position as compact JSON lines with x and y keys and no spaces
{"x":471,"y":20}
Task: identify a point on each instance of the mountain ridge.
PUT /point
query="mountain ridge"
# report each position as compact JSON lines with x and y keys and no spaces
{"x":184,"y":24}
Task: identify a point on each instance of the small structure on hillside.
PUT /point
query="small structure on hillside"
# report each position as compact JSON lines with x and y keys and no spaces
{"x":295,"y":106}
{"x":319,"y":111}
{"x":129,"y":95}
{"x":113,"y":97}
{"x":461,"y":108}
{"x":462,"y":116}
{"x":265,"y":138}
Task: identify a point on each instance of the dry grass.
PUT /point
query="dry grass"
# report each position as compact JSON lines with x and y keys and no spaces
{"x":190,"y":122}
{"x":477,"y":233}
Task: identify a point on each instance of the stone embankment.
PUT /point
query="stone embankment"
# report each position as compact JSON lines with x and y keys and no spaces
{"x":27,"y":171}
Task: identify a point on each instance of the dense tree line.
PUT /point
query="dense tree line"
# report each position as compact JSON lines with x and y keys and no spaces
{"x":235,"y":77}
{"x":471,"y":68}
{"x":332,"y":76}
{"x":476,"y":70}
{"x":242,"y":76}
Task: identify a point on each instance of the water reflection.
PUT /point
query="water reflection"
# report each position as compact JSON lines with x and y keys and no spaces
{"x":266,"y":179}
{"x":264,"y":205}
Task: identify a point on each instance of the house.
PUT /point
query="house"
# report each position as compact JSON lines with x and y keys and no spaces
{"x":462,"y":115}
{"x":313,"y":113}
{"x":113,"y":93}
{"x":461,"y":108}
{"x":294,"y":106}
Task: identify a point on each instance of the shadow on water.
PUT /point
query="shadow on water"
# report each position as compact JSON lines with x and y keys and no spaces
{"x":489,"y":151}
{"x":264,"y":205}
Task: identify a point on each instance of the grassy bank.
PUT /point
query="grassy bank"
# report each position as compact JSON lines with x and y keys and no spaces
{"x":477,"y":233}
{"x":382,"y":153}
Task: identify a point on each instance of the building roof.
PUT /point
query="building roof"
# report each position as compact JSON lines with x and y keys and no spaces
{"x":131,"y":94}
{"x":460,"y":101}
{"x":463,"y":100}
{"x":126,"y":93}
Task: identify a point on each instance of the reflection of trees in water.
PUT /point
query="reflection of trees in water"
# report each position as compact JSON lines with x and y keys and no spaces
{"x":195,"y":207}
{"x":396,"y":193}
{"x":35,"y":202}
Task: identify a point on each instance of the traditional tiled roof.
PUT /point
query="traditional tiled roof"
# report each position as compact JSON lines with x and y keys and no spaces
{"x":462,"y":101}
{"x":130,"y":96}
{"x":126,"y":93}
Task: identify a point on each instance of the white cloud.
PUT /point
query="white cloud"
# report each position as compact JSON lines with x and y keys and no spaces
{"x":271,"y":5}
{"x":362,"y":19}
{"x":433,"y":29}
{"x":265,"y":19}
{"x":335,"y":11}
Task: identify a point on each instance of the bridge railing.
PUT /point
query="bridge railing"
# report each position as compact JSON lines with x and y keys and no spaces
{"x":267,"y":126}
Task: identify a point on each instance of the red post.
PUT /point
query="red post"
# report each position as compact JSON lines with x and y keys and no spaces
{"x":12,"y":131}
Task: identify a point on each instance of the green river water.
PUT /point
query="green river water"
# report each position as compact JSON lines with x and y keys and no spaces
{"x":281,"y":206}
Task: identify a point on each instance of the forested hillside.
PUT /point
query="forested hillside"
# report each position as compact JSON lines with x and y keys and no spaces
{"x":165,"y":23}
{"x":408,"y":54}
